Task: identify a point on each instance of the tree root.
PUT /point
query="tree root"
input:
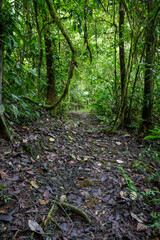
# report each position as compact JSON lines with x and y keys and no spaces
{"x":50,"y":218}
{"x":75,"y":210}
{"x":4,"y":130}
{"x":65,"y":207}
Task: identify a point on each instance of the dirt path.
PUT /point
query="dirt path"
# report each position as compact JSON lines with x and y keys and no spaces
{"x":75,"y":161}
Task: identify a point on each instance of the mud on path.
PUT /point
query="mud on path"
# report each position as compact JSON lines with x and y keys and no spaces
{"x":77,"y":162}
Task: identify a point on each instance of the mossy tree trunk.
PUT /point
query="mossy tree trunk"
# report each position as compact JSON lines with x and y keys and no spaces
{"x":4,"y":131}
{"x":73,"y":62}
{"x":51,"y":89}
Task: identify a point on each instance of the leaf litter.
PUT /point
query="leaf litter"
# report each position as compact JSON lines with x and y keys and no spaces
{"x":67,"y":174}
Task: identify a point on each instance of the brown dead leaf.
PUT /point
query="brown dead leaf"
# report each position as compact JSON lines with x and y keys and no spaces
{"x":3,"y":175}
{"x":127,"y":135}
{"x":46,"y":195}
{"x":79,"y":178}
{"x":4,"y":211}
{"x":71,"y":163}
{"x":30,"y":172}
{"x":39,"y":170}
{"x":141,"y":227}
{"x":136,"y":217}
{"x":90,"y":204}
{"x":43,"y":202}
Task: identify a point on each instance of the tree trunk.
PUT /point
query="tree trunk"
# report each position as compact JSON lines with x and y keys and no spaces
{"x":4,"y":131}
{"x":40,"y":43}
{"x":0,"y":74}
{"x":73,"y":62}
{"x":122,"y":63}
{"x":148,"y":77}
{"x":51,"y":91}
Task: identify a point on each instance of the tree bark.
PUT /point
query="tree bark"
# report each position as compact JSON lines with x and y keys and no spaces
{"x":122,"y":63}
{"x":73,"y":63}
{"x":4,"y":131}
{"x":40,"y":43}
{"x":149,"y":69}
{"x":51,"y":91}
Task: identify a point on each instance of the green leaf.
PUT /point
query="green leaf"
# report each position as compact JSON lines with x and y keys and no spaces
{"x":2,"y":187}
{"x":34,"y":184}
{"x":34,"y":72}
{"x":2,"y":108}
{"x":14,"y":110}
{"x":73,"y":156}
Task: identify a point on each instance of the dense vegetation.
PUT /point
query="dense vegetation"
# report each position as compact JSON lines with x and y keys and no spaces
{"x":104,"y":52}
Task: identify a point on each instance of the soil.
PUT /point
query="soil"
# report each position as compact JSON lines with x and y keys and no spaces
{"x":77,"y":162}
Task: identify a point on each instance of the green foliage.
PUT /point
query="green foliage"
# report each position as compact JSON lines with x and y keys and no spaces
{"x":3,"y":196}
{"x":2,"y":187}
{"x":151,"y":196}
{"x":128,"y":180}
{"x":155,"y":134}
{"x":156,"y":220}
{"x":94,"y":86}
{"x":103,"y":101}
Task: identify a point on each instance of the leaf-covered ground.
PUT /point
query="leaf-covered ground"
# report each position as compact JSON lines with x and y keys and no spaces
{"x":78,"y":163}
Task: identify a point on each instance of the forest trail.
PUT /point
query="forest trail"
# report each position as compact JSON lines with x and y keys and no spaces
{"x":75,"y":161}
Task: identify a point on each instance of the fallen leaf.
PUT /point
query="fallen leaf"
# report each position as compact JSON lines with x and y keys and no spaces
{"x":30,"y":172}
{"x":99,"y":164}
{"x":35,"y":227}
{"x":55,"y":168}
{"x":34,"y":184}
{"x":46,"y":195}
{"x":5,"y":218}
{"x":127,"y":135}
{"x":71,"y":163}
{"x":51,"y":139}
{"x":79,"y":178}
{"x":26,"y":127}
{"x":136,"y":217}
{"x":71,"y":138}
{"x":73,"y":156}
{"x":3,"y":175}
{"x":25,"y":140}
{"x":63,"y":198}
{"x":43,"y":202}
{"x":39,"y":170}
{"x":141,"y":227}
{"x":121,"y":194}
{"x":119,"y":161}
{"x":133,"y":195}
